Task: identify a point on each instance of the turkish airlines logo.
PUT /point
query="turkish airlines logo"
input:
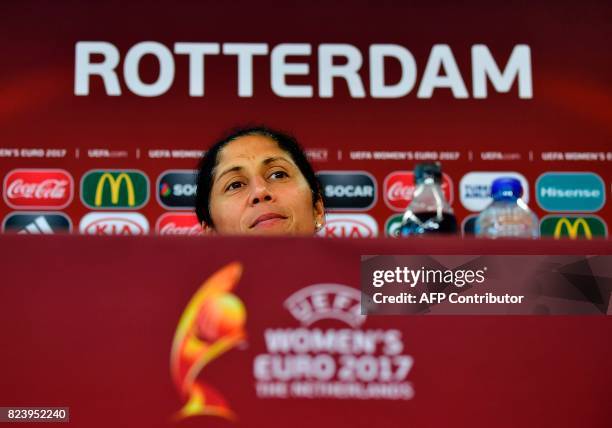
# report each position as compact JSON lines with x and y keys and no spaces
{"x":349,"y":226}
{"x":178,"y":224}
{"x":399,"y":187}
{"x":38,"y":188}
{"x":113,"y":223}
{"x":475,"y":188}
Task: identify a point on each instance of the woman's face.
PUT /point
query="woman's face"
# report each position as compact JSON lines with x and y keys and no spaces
{"x":257,"y":189}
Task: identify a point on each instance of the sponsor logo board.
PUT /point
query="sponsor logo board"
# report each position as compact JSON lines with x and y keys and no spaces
{"x":38,"y":188}
{"x":570,"y":191}
{"x":114,"y":189}
{"x":114,"y":223}
{"x":176,"y":189}
{"x":573,"y":227}
{"x":468,"y":225}
{"x":348,"y":190}
{"x":37,"y":223}
{"x":475,"y":188}
{"x":349,"y":226}
{"x":399,"y":187}
{"x":178,"y":224}
{"x":392,"y":226}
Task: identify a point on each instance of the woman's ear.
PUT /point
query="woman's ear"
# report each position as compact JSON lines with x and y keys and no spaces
{"x":319,"y":215}
{"x":206,"y":229}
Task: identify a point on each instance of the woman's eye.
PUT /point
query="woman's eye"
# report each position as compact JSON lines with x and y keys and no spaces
{"x":234,"y":185}
{"x":279,"y":174}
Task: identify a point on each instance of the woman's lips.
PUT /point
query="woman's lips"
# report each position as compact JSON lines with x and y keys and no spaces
{"x":267,"y":219}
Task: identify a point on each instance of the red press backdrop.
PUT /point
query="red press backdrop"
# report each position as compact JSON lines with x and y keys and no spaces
{"x":560,"y":121}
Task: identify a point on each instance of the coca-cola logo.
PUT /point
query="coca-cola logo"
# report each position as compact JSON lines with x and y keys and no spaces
{"x":178,"y":224}
{"x":38,"y":188}
{"x":112,"y":223}
{"x":398,"y":189}
{"x":349,"y":226}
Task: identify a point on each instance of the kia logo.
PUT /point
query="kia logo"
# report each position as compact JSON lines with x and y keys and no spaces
{"x":349,"y":226}
{"x":113,"y":223}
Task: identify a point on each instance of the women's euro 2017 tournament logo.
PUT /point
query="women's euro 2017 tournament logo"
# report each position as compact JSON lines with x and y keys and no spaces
{"x":211,"y":324}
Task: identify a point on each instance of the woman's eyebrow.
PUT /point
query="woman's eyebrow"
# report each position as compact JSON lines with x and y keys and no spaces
{"x":227,"y":171}
{"x":238,"y":168}
{"x":274,"y":159}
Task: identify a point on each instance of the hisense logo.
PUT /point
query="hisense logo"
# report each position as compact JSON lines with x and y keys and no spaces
{"x":570,"y":191}
{"x":554,"y":192}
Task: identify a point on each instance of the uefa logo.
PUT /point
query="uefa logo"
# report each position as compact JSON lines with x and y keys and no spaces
{"x":326,"y":301}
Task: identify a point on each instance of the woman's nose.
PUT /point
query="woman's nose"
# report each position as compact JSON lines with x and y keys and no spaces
{"x":260,"y":191}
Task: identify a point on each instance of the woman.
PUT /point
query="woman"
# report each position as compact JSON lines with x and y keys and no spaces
{"x":257,"y":181}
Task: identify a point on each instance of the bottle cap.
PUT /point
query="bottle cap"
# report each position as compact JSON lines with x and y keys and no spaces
{"x":426,"y":170}
{"x":506,"y":187}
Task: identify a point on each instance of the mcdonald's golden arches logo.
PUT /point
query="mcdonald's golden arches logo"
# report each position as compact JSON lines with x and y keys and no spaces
{"x":121,"y":189}
{"x":573,"y":227}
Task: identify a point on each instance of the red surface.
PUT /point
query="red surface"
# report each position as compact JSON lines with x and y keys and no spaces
{"x":88,"y":323}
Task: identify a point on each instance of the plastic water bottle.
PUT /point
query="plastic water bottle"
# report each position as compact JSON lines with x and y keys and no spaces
{"x":429,"y":212}
{"x":508,"y":216}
